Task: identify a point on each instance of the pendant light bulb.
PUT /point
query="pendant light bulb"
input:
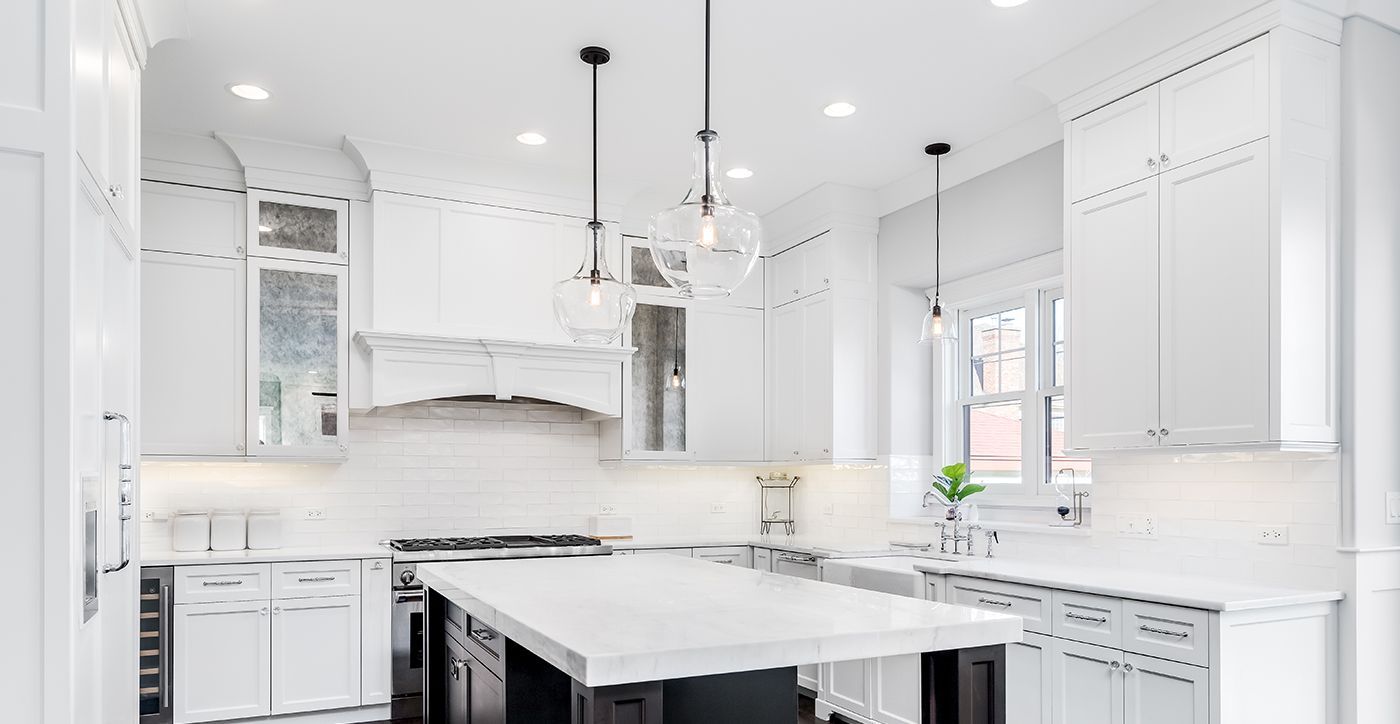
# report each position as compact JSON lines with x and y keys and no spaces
{"x":705,"y":247}
{"x":593,"y":306}
{"x":934,"y":327}
{"x":676,"y":378}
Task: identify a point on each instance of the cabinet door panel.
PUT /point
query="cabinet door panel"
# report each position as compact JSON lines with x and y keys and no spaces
{"x":296,"y":358}
{"x":376,"y":632}
{"x":488,"y":698}
{"x":1028,"y":680}
{"x":193,"y":318}
{"x":816,"y":264}
{"x":1112,"y":328}
{"x":725,"y":350}
{"x":301,"y":228}
{"x":785,"y":383}
{"x":807,"y":676}
{"x":1088,"y":688}
{"x":455,"y":683}
{"x":1215,"y":299}
{"x":1216,"y":105}
{"x":896,"y":688}
{"x":223,"y":661}
{"x":817,"y":377}
{"x":656,"y":411}
{"x":123,"y":112}
{"x":1114,"y":145}
{"x":193,"y":220}
{"x":785,"y":281}
{"x":1165,"y":692}
{"x":315,"y":654}
{"x":847,"y":684}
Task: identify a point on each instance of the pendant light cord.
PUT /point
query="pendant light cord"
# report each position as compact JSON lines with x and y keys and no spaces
{"x":676,"y":342}
{"x":705,"y":199}
{"x":937,"y":227}
{"x":595,"y":166}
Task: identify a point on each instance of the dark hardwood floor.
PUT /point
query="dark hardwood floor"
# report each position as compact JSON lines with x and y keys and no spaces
{"x":805,"y":714}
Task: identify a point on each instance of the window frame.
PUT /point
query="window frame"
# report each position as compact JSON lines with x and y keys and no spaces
{"x":1036,"y":457}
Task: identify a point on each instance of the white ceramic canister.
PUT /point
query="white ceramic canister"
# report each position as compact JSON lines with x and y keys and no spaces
{"x":228,"y":530}
{"x":264,"y":529}
{"x":189,"y":531}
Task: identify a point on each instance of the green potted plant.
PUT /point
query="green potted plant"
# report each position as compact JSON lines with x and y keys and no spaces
{"x":950,"y":484}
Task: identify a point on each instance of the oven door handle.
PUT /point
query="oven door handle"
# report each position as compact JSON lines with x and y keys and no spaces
{"x":407,"y":596}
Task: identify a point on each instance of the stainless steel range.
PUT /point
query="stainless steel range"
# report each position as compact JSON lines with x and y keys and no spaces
{"x":408,"y":592}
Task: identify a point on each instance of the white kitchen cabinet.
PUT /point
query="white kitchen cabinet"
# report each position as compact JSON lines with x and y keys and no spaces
{"x":801,"y":271}
{"x":222,"y":659}
{"x":296,"y":358}
{"x":1203,"y":299}
{"x":895,"y":688}
{"x":847,"y":684}
{"x":107,"y":98}
{"x":785,"y":383}
{"x":193,"y":326}
{"x":1115,"y":145}
{"x":682,"y":552}
{"x":1164,"y":692}
{"x":1028,"y":680}
{"x":315,"y":653}
{"x":376,"y":631}
{"x":737,"y":556}
{"x":1214,"y":292}
{"x":1087,"y":683}
{"x":763,"y":559}
{"x":725,"y":352}
{"x":193,"y":220}
{"x":297,"y":227}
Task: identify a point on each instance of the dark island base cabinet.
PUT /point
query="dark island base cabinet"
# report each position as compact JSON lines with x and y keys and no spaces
{"x":478,"y":677}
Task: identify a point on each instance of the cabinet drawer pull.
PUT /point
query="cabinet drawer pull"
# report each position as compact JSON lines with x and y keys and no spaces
{"x":316,"y":579}
{"x":483,"y":634}
{"x":226,"y":582}
{"x":994,"y":602}
{"x":1082,"y":617}
{"x":1163,"y":632}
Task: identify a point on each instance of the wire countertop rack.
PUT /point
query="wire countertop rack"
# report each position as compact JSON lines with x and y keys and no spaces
{"x":775,"y":502}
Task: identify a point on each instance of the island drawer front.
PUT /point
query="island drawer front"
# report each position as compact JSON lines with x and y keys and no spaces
{"x":1088,"y":618}
{"x":1167,"y":632}
{"x":306,"y":579}
{"x":233,"y":582}
{"x":487,"y":645}
{"x":1031,"y":603}
{"x":728,"y":555}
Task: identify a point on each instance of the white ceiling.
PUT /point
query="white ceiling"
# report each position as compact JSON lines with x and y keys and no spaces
{"x":466,"y":76}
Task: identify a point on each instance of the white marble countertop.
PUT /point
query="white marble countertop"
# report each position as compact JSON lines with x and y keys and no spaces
{"x":619,"y":619}
{"x":801,"y":543}
{"x":271,"y":555}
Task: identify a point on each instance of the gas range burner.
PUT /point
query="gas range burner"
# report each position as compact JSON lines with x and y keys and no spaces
{"x":445,"y":544}
{"x":498,"y":546}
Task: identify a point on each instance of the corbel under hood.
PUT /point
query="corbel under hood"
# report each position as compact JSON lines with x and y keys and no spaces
{"x":413,"y":367}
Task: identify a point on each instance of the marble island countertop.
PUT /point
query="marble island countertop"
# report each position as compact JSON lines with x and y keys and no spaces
{"x":623,"y":619}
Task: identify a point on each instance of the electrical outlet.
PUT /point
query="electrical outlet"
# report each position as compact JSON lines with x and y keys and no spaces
{"x":151,"y":516}
{"x":1392,"y":508}
{"x":829,"y":509}
{"x":1272,"y":535}
{"x":1137,"y":524}
{"x":607,"y":509}
{"x":313,"y":514}
{"x":719,"y":508}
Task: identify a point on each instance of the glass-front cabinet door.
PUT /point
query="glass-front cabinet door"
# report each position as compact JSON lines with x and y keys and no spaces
{"x":297,"y":354}
{"x":301,"y":228}
{"x":654,"y":408}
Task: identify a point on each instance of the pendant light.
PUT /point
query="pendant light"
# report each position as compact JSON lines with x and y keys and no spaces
{"x":706,"y":246}
{"x":935,"y":328}
{"x":677,"y":380}
{"x":592,"y":306}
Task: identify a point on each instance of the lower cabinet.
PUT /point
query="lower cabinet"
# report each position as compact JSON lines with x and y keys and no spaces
{"x":1098,"y":685}
{"x":1164,"y":692}
{"x":1028,"y":678}
{"x":222,"y":655}
{"x":763,"y":559}
{"x":737,"y":556}
{"x":456,"y":694}
{"x":488,"y":697}
{"x":315,"y":654}
{"x":1086,"y":683}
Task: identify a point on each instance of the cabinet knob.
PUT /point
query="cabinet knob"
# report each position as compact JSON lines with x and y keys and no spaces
{"x":276,"y":610}
{"x":1152,"y":433}
{"x":794,"y":292}
{"x":1165,"y":161}
{"x":1166,"y":432}
{"x":795,"y":453}
{"x":342,"y":255}
{"x":1127,"y":667}
{"x":826,"y":450}
{"x":826,"y":281}
{"x":1114,"y":666}
{"x":238,"y":250}
{"x":263,"y":611}
{"x":1151,"y":162}
{"x":115,"y":190}
{"x":238,"y":447}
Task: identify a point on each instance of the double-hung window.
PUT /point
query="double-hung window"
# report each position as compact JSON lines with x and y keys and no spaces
{"x":1010,"y":403}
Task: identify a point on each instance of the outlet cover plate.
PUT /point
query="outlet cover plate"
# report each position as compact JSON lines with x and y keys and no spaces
{"x":607,"y":509}
{"x":313,"y":514}
{"x":1392,"y":508}
{"x":1137,"y":525}
{"x":1272,"y":535}
{"x":719,"y":508}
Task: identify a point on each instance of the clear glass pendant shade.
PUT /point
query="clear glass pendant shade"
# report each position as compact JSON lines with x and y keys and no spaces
{"x":592,"y":306}
{"x":936,"y":327}
{"x":705,"y":247}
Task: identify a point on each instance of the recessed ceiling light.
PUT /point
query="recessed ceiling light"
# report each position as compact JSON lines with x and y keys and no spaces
{"x":249,"y":92}
{"x":1008,"y":3}
{"x":839,"y":109}
{"x":530,"y":138}
{"x":739,"y":172}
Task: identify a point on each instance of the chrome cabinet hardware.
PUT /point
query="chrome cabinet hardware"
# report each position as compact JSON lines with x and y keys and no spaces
{"x":483,"y":634}
{"x":167,"y":615}
{"x":126,"y":495}
{"x":276,"y":610}
{"x":1114,"y":666}
{"x":238,"y":250}
{"x":1165,"y":432}
{"x":994,"y":602}
{"x":116,"y":191}
{"x":1163,"y":632}
{"x":1127,"y":668}
{"x":1165,"y":161}
{"x":262,"y":611}
{"x":1151,"y":162}
{"x":794,"y":292}
{"x":1082,"y":617}
{"x":316,"y":579}
{"x":826,"y":281}
{"x":407,"y":596}
{"x":1152,"y":433}
{"x":455,"y":666}
{"x":223,"y":582}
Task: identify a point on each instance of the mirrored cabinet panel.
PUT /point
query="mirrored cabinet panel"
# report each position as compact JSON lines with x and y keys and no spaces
{"x":291,"y":226}
{"x":296,"y":351}
{"x":655,"y":411}
{"x":644,"y":271}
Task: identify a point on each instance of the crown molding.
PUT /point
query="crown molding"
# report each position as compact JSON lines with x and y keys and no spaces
{"x":825,"y":208}
{"x":297,"y":168}
{"x":148,"y":22}
{"x":189,"y":159}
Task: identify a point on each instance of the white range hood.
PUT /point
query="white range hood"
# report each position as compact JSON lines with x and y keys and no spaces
{"x":407,"y":367}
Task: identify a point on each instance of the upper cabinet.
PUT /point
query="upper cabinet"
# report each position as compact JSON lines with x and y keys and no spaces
{"x":298,"y":228}
{"x":193,"y":220}
{"x":1203,"y":295}
{"x":107,"y":99}
{"x":1219,"y":104}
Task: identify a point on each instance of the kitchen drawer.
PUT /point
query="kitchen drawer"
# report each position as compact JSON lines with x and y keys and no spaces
{"x":682,"y":552}
{"x":234,"y":582}
{"x":763,"y":560}
{"x":1031,"y":603}
{"x":315,"y":578}
{"x":729,"y":555}
{"x":1091,"y":619}
{"x":486,"y":645}
{"x":1167,"y":632}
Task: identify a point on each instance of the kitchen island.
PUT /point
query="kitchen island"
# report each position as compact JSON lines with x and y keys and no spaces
{"x":616,"y":639}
